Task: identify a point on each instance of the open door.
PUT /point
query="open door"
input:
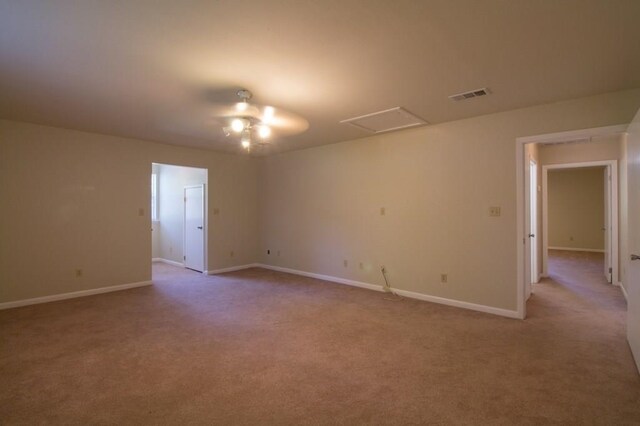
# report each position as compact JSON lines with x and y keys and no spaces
{"x":194,"y":231}
{"x":531,"y":265}
{"x":533,"y":214}
{"x":607,"y":228}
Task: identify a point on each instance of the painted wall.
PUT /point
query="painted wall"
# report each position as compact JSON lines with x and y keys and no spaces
{"x":601,"y":148}
{"x":172,"y":180}
{"x":71,"y":200}
{"x":632,"y":285}
{"x":322,"y":206}
{"x":576,"y":208}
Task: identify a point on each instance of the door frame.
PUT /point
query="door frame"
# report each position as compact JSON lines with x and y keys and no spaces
{"x":521,"y":212}
{"x":612,"y":166}
{"x":203,"y":188}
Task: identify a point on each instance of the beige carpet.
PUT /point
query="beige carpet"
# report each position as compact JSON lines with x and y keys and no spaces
{"x":261,"y":347}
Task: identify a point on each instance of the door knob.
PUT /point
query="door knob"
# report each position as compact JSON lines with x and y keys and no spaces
{"x":199,"y":227}
{"x":532,"y":235}
{"x":635,"y":257}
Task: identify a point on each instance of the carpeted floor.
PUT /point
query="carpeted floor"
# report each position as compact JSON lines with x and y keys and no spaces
{"x":262,"y":347}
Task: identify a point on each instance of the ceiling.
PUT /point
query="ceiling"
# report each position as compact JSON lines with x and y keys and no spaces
{"x":152,"y":69}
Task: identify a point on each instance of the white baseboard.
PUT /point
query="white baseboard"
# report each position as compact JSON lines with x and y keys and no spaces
{"x":576,"y":249}
{"x":404,"y":293}
{"x":167,"y":261}
{"x":72,"y":295}
{"x":459,"y":304}
{"x":232,"y":269}
{"x":323,"y":277}
{"x":624,"y":291}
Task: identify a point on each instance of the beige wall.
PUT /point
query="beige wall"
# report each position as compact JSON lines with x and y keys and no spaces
{"x":321,"y":206}
{"x":601,"y":148}
{"x":70,"y":200}
{"x":632,"y":285}
{"x":576,"y":208}
{"x":171,"y":183}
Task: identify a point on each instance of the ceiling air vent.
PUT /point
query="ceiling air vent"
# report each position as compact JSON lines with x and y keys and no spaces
{"x":470,"y":94}
{"x":386,"y":121}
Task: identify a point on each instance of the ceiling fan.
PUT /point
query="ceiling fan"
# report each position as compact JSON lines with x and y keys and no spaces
{"x":256,"y":125}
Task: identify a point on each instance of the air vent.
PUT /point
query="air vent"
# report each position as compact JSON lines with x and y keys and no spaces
{"x":386,"y":121}
{"x":470,"y":94}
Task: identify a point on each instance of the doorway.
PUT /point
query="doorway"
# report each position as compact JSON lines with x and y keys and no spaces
{"x":582,"y":216}
{"x":179,"y":217}
{"x":526,"y":146}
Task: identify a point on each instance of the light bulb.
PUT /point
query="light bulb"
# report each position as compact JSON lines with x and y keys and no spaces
{"x":237,"y":125}
{"x":242,"y":106}
{"x":268,"y":114}
{"x":246,"y":144}
{"x":264,"y":132}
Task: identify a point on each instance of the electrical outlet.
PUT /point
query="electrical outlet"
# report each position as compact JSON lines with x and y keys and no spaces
{"x":345,"y":263}
{"x":444,"y":278}
{"x":78,"y":273}
{"x":494,"y":211}
{"x":231,"y":253}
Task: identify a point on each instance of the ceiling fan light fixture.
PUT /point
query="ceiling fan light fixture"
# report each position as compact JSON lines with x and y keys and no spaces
{"x":238,"y":125}
{"x":245,"y":139}
{"x":269,"y":112}
{"x":264,"y":131}
{"x":242,"y":106}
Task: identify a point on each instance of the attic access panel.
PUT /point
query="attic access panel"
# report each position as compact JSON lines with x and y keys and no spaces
{"x":385,"y":121}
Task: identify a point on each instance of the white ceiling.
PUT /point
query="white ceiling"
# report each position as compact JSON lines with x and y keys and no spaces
{"x":151,"y":69}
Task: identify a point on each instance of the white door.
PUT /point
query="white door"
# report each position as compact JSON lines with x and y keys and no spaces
{"x":632,"y":282}
{"x":194,"y":231}
{"x":529,"y":221}
{"x":533,"y":228}
{"x":606,"y":228}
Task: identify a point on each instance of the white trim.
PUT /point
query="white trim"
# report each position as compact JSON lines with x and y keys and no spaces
{"x":624,"y":290}
{"x":458,"y":304}
{"x":520,"y":210}
{"x":576,"y":249}
{"x":404,"y":293}
{"x":613,"y":170}
{"x":324,"y":277}
{"x":574,"y":135}
{"x":233,"y":268}
{"x":72,"y":295}
{"x":168,"y":262}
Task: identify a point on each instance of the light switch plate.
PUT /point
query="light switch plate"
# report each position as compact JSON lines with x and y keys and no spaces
{"x":494,"y":211}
